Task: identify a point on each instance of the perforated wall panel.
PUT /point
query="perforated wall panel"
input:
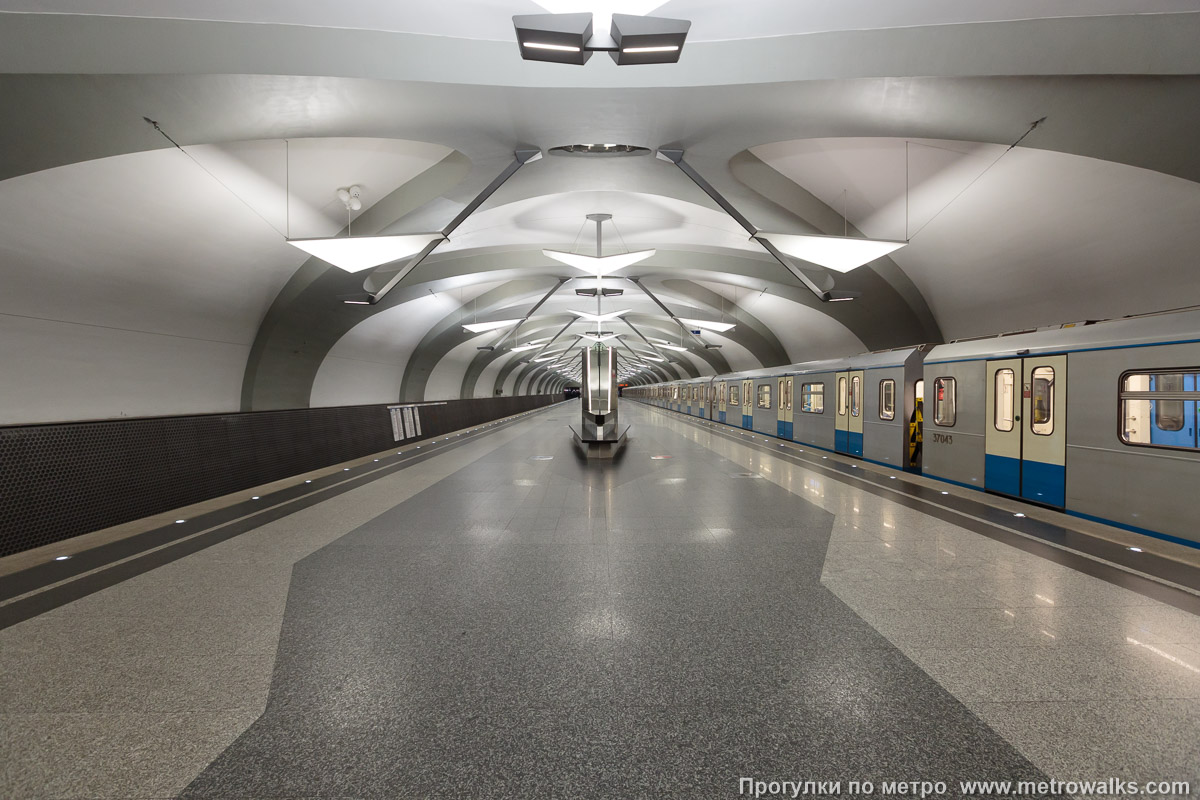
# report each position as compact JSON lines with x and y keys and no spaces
{"x":66,"y":479}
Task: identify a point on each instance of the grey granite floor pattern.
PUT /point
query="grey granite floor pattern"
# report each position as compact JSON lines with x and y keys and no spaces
{"x":649,"y":628}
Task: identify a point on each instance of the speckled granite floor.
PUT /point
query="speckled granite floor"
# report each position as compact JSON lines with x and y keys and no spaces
{"x":533,"y":628}
{"x":490,"y":624}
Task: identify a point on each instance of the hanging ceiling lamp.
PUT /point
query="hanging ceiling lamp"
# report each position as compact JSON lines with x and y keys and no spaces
{"x":599,"y":265}
{"x":838,"y":253}
{"x":483,"y":327}
{"x":358,"y":253}
{"x":532,"y":343}
{"x":590,"y":317}
{"x":708,"y":325}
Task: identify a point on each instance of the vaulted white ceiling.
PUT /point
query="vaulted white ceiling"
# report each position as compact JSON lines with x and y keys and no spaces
{"x":120,"y":255}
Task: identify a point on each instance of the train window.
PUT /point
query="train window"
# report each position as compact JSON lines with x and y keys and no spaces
{"x":841,"y":396}
{"x":1168,"y":414}
{"x":764,"y":395}
{"x":1152,"y":419}
{"x":1005,"y":399}
{"x":1043,"y":401}
{"x":733,"y":395}
{"x":887,"y":399}
{"x":945,"y":409}
{"x":855,"y":396}
{"x":812,"y":398}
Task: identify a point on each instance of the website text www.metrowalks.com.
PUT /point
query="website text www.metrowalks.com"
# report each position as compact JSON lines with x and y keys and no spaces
{"x":1109,"y":787}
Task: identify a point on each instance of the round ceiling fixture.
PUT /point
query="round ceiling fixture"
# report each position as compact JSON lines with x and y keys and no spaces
{"x":601,"y":150}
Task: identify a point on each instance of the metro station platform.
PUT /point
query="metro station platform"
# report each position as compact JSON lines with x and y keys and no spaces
{"x":494,"y":616}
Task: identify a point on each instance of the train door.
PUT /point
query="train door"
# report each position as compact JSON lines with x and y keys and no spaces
{"x":848,"y":421}
{"x":721,"y":401}
{"x":748,"y":405}
{"x":1025,"y":438}
{"x":784,"y":423}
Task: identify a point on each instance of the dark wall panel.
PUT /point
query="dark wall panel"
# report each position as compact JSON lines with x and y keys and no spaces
{"x":65,"y":479}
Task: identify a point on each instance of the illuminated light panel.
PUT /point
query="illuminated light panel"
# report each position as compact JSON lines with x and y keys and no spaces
{"x":563,"y":48}
{"x":532,"y":343}
{"x":669,"y":346}
{"x":598,"y":265}
{"x":483,"y":327}
{"x":708,"y":325}
{"x":671,"y":48}
{"x":600,"y":317}
{"x":357,"y":253}
{"x":838,"y":253}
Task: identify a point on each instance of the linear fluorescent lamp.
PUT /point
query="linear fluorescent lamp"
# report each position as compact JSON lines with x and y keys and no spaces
{"x":532,"y":343}
{"x":559,"y":38}
{"x":838,"y":253}
{"x":483,"y":327}
{"x":600,"y":317}
{"x":598,"y":265}
{"x":708,"y":325}
{"x":357,"y":253}
{"x":668,"y":345}
{"x":647,"y":40}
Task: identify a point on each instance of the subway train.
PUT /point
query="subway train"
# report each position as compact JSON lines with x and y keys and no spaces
{"x":1098,"y":420}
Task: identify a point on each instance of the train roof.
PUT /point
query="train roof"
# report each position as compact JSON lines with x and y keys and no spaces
{"x":1179,"y":326}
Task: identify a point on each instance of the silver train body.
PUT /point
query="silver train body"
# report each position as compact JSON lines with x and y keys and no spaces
{"x":1101,"y":421}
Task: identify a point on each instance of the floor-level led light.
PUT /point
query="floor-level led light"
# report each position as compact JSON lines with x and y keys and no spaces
{"x":599,"y":265}
{"x":708,"y":325}
{"x":482,"y":327}
{"x":838,"y":253}
{"x":357,"y":253}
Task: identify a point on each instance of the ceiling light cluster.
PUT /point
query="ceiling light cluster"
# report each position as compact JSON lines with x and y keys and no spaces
{"x":630,"y":39}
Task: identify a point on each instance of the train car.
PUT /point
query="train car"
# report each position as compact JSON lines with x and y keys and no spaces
{"x":1097,"y":420}
{"x":813,"y":413}
{"x":877,"y":416}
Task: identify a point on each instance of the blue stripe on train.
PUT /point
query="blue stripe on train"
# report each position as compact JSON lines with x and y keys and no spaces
{"x":848,"y":442}
{"x":748,"y":421}
{"x":1002,"y":474}
{"x":783,"y":429}
{"x":1044,"y":483}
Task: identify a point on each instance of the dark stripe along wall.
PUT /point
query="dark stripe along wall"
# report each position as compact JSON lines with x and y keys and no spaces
{"x":64,"y":479}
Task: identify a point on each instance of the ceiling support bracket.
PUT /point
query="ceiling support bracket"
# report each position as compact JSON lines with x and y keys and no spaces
{"x":520,"y":159}
{"x":676,"y":158}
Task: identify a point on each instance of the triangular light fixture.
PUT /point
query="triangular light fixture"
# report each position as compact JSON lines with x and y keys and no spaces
{"x":358,"y":253}
{"x":708,"y":325}
{"x":838,"y":253}
{"x":483,"y":327}
{"x":598,"y":265}
{"x":590,"y":317}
